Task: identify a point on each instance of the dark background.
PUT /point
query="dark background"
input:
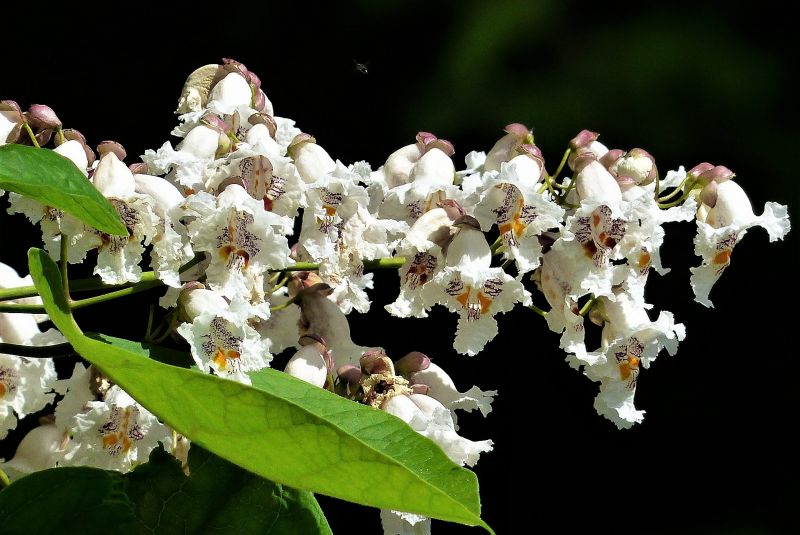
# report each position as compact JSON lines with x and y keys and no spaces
{"x":689,"y":82}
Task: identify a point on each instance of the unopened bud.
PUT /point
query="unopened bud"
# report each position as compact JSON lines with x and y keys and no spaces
{"x":698,"y":170}
{"x":111,"y":146}
{"x":709,"y":194}
{"x":583,"y":139}
{"x":265,"y":119}
{"x":139,"y":168}
{"x":193,"y":301}
{"x":718,"y":173}
{"x":412,"y":363}
{"x":610,"y":158}
{"x":43,"y":116}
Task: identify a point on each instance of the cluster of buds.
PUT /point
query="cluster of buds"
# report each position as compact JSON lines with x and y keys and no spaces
{"x":232,"y":192}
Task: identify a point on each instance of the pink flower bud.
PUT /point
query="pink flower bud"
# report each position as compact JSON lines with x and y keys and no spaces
{"x":265,"y":119}
{"x":412,"y":363}
{"x":506,"y":147}
{"x":43,"y":116}
{"x":610,"y":158}
{"x":718,"y":173}
{"x":708,"y":195}
{"x":111,"y":146}
{"x":583,"y":139}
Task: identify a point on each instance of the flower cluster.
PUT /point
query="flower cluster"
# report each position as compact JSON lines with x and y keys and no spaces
{"x":231,"y":194}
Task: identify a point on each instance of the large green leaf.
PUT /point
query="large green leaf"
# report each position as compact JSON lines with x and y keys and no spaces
{"x":281,"y":428}
{"x":53,"y":180}
{"x":65,"y":501}
{"x":217,"y":497}
{"x":157,"y":498}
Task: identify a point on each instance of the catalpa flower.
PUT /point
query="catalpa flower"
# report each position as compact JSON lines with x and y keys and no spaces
{"x":52,"y":221}
{"x":431,"y":180}
{"x":119,"y":256}
{"x":510,"y":201}
{"x":631,"y":341}
{"x":422,"y":248}
{"x":470,"y":286}
{"x":220,"y":335}
{"x":722,"y":221}
{"x":113,"y":434}
{"x":243,"y":239}
{"x":25,"y":386}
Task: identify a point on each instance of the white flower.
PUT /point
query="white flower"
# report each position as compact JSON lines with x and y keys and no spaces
{"x":40,"y":449}
{"x":630,"y":341}
{"x":119,"y":256}
{"x":431,"y":419}
{"x":171,"y":247}
{"x":281,"y":328}
{"x":114,"y":434}
{"x":557,"y":280}
{"x":25,"y":386}
{"x":424,"y":258}
{"x":192,"y":163}
{"x":469,"y":286}
{"x":430,"y":181}
{"x":244,"y":240}
{"x":510,"y":201}
{"x":399,"y":523}
{"x":54,"y":222}
{"x":222,"y":340}
{"x":587,"y":246}
{"x":443,"y":389}
{"x":724,"y":225}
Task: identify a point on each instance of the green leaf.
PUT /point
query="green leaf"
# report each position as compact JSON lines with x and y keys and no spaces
{"x":66,"y":500}
{"x":157,"y":498}
{"x":282,"y":428}
{"x":161,"y":354}
{"x":53,"y":180}
{"x":217,"y":497}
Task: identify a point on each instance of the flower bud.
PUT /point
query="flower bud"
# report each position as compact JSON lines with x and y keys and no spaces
{"x":43,"y":116}
{"x":718,"y":173}
{"x":412,"y":363}
{"x":695,"y":172}
{"x":585,"y":143}
{"x":73,"y":150}
{"x":113,"y":179}
{"x":230,"y":92}
{"x":610,"y":158}
{"x":595,"y":183}
{"x":308,"y":365}
{"x":398,"y":165}
{"x":265,"y":119}
{"x":434,"y":166}
{"x":165,"y":195}
{"x":193,"y":301}
{"x":38,"y":450}
{"x":201,"y":141}
{"x":637,"y":164}
{"x":111,"y":146}
{"x":506,"y":147}
{"x":312,"y":161}
{"x":708,"y":195}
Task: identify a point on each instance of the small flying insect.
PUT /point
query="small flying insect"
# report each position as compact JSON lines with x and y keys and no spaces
{"x":361,"y":67}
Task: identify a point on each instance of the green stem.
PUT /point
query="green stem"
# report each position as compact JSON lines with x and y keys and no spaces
{"x":88,"y":285}
{"x":588,"y":306}
{"x":140,"y":286}
{"x":561,"y":165}
{"x":498,"y":243}
{"x":53,"y":351}
{"x":4,"y":481}
{"x":62,"y":263}
{"x":538,"y":310}
{"x":678,"y":189}
{"x":285,"y":304}
{"x":676,"y":202}
{"x":32,"y":135}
